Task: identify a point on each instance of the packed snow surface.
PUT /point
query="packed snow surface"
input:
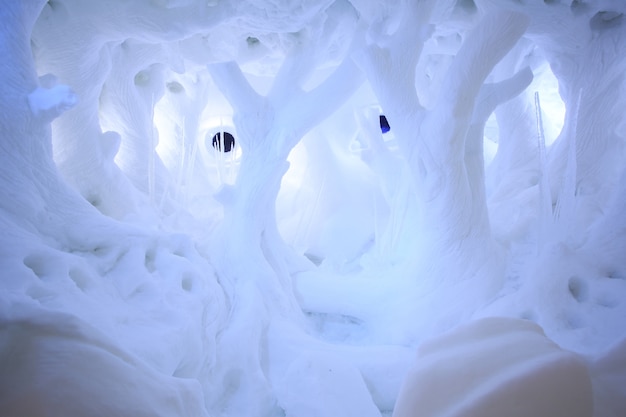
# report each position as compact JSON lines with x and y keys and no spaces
{"x":205,"y":213}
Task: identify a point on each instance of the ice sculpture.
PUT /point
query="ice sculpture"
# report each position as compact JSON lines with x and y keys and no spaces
{"x":323,"y":250}
{"x":443,"y":144}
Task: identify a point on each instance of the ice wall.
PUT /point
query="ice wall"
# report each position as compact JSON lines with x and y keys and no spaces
{"x":297,"y":274}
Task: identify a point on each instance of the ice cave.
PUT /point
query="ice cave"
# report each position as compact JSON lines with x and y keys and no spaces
{"x":313,"y":208}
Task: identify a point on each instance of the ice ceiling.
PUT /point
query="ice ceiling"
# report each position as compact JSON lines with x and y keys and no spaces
{"x":203,"y":213}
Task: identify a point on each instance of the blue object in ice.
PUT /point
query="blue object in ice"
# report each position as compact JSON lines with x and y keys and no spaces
{"x":384,"y":124}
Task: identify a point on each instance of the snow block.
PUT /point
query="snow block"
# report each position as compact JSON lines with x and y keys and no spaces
{"x":496,"y":367}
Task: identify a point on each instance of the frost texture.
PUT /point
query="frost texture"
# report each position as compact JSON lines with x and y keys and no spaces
{"x":297,"y":274}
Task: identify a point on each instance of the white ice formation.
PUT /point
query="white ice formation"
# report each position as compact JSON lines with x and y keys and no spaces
{"x":146,"y":271}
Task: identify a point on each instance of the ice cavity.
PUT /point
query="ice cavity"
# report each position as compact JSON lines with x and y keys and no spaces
{"x":164,"y":303}
{"x":496,"y":367}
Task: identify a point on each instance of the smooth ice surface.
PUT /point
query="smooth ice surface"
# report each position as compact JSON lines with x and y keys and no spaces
{"x":56,"y":365}
{"x":495,"y":367}
{"x":144,"y":272}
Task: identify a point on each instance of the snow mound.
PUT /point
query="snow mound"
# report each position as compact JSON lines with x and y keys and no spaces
{"x":496,"y":367}
{"x":55,"y":364}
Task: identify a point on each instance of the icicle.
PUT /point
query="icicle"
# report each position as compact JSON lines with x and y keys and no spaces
{"x":151,"y":162}
{"x":183,"y":162}
{"x":566,"y":202}
{"x":400,"y":208}
{"x":545,"y":213}
{"x":190,"y":166}
{"x":173,"y":185}
{"x":377,"y":229}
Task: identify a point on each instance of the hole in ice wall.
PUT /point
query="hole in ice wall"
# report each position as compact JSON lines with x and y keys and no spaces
{"x":576,"y":5}
{"x":80,"y":278}
{"x":223,"y":141}
{"x":606,"y":20}
{"x":219,"y":150}
{"x":578,"y":288}
{"x":187,"y":283}
{"x":467,"y":5}
{"x":384,"y":124}
{"x":39,"y":264}
{"x":175,"y":87}
{"x":149,"y":260}
{"x":613,"y":274}
{"x":316,"y":259}
{"x":94,"y":201}
{"x":142,"y":78}
{"x":252,"y":41}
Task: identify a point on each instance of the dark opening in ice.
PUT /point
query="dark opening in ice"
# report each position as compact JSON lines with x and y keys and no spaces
{"x":384,"y":124}
{"x":224,"y":143}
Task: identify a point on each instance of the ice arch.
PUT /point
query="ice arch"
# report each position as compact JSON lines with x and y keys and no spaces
{"x":167,"y":261}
